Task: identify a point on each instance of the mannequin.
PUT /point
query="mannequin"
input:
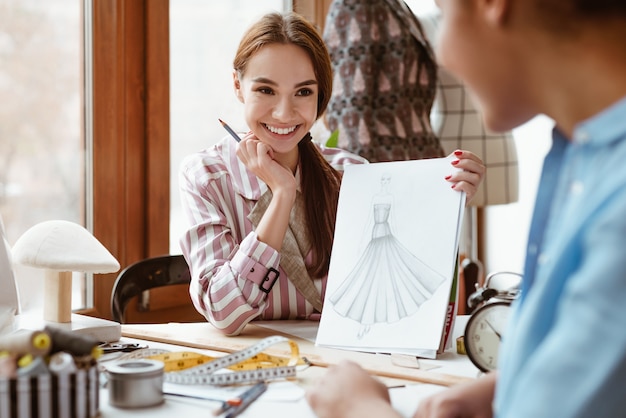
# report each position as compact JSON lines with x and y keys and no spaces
{"x":458,"y":124}
{"x":385,"y":81}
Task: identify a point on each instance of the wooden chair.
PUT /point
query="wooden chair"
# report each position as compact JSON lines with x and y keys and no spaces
{"x":154,"y":273}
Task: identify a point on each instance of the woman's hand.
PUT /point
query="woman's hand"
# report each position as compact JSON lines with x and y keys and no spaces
{"x":346,"y":391}
{"x":259,"y":159}
{"x":471,"y":174}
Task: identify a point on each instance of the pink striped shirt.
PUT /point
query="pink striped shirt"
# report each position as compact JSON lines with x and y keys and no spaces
{"x":224,"y":255}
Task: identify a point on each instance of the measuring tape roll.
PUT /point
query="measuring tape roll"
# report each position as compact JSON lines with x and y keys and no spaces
{"x":247,"y":365}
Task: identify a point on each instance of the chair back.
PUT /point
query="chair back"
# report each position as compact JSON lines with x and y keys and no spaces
{"x":145,"y":275}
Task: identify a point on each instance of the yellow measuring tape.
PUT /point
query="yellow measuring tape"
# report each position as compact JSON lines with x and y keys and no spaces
{"x":177,"y":361}
{"x":244,"y":366}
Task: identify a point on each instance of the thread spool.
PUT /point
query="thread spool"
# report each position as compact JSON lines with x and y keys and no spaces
{"x":8,"y":365}
{"x":33,"y":367}
{"x":61,"y":363}
{"x":75,"y":344}
{"x":36,"y":343}
{"x":135,"y":383}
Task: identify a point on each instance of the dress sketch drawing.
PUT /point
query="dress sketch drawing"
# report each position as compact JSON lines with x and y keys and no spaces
{"x":388,"y":282}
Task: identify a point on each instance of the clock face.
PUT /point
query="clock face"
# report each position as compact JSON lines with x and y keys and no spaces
{"x":483,"y":333}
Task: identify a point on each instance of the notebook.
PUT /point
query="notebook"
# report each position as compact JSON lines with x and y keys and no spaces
{"x":391,"y":283}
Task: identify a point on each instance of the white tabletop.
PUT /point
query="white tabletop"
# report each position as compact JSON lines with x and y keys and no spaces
{"x":286,"y":398}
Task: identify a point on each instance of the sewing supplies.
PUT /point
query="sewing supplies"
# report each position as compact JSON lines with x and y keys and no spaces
{"x":249,"y":365}
{"x":247,"y":398}
{"x":36,"y":343}
{"x":40,"y":378}
{"x":135,"y":383}
{"x":108,"y":348}
{"x":8,"y":365}
{"x":61,"y":362}
{"x":32,"y":366}
{"x":230,"y":130}
{"x":73,"y":343}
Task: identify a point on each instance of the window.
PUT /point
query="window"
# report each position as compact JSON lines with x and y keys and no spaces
{"x":42,"y":139}
{"x":203,"y":39}
{"x":127,"y":169}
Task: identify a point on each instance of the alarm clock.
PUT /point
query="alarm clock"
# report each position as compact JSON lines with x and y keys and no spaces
{"x":487,"y":324}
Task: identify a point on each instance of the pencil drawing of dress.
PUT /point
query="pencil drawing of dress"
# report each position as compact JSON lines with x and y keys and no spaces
{"x":388,"y":282}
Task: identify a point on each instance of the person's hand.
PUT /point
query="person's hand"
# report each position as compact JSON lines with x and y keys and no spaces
{"x":347,"y":390}
{"x":468,"y":400}
{"x":259,"y":159}
{"x":473,"y":171}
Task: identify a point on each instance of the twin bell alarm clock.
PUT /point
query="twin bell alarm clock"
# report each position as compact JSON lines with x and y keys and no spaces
{"x":487,"y":323}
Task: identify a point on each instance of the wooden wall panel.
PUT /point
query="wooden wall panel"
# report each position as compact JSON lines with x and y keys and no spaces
{"x":131,"y":133}
{"x":315,"y":11}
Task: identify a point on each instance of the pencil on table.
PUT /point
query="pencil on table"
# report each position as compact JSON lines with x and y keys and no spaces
{"x":226,"y":405}
{"x":247,"y":398}
{"x":234,"y":402}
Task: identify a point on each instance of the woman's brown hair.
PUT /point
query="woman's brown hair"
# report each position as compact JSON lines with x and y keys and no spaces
{"x":319,"y":181}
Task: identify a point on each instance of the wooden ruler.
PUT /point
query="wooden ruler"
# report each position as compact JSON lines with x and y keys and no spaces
{"x":205,"y":336}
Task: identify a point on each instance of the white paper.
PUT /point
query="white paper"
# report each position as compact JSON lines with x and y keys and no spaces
{"x":280,"y":391}
{"x":393,"y":258}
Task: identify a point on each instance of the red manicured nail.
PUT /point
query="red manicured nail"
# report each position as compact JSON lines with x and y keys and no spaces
{"x":455,"y":162}
{"x":458,"y":153}
{"x":448,"y":177}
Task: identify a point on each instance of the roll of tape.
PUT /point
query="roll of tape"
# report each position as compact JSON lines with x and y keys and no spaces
{"x":135,"y":383}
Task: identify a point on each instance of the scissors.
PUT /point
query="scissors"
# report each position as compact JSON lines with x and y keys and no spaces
{"x":108,"y":348}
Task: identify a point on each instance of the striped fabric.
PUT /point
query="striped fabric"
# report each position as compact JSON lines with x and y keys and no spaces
{"x":70,"y":395}
{"x":224,"y":255}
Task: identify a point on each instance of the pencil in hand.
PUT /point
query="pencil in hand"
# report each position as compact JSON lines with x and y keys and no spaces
{"x":230,"y":130}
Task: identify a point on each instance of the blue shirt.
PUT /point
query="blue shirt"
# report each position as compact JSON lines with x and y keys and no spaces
{"x":564,"y":354}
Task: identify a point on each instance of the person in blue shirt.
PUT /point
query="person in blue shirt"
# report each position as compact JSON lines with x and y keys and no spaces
{"x":564,"y":354}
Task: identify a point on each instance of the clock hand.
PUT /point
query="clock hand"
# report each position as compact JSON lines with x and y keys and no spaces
{"x":493,"y":329}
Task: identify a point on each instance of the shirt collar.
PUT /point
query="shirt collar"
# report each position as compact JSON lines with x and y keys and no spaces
{"x":605,"y":127}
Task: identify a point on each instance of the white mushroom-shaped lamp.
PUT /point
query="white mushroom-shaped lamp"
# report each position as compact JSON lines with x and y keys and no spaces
{"x":62,"y":247}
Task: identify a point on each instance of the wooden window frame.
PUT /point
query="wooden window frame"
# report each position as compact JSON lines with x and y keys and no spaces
{"x":131,"y":130}
{"x":131,"y":167}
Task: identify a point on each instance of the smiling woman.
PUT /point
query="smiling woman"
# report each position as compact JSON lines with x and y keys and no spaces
{"x":281,"y":103}
{"x":261,"y":213}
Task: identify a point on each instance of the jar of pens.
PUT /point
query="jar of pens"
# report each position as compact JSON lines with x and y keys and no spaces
{"x":48,"y":372}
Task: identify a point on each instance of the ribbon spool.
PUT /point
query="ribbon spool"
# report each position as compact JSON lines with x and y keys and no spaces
{"x":36,"y":343}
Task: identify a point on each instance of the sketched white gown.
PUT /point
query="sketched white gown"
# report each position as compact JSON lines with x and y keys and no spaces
{"x":388,"y":282}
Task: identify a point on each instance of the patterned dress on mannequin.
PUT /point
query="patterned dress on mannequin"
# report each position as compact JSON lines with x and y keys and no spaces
{"x":385,"y":78}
